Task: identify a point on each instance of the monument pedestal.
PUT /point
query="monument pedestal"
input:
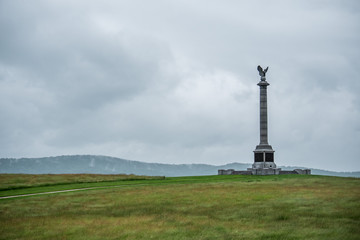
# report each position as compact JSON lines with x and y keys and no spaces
{"x":264,"y":161}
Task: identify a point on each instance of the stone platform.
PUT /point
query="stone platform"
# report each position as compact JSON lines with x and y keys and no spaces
{"x":263,"y":171}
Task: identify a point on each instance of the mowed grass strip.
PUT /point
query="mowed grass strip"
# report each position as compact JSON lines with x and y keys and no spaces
{"x":217,"y":207}
{"x":18,"y":184}
{"x":18,"y":181}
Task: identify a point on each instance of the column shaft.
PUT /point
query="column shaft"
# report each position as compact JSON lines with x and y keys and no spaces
{"x":263,"y":116}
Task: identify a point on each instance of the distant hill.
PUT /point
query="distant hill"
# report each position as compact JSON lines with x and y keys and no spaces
{"x":111,"y":165}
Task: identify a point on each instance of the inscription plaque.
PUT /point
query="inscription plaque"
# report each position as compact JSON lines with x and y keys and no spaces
{"x":269,"y":157}
{"x":259,"y":157}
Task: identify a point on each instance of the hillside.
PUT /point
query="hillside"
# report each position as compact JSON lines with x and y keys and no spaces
{"x":111,"y":165}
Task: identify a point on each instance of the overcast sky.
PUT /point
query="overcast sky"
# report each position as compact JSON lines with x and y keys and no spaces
{"x":175,"y":81}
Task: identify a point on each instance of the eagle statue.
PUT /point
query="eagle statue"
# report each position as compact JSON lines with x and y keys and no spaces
{"x":261,"y":71}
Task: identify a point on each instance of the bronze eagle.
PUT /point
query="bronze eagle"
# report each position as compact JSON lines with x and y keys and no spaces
{"x":261,"y":71}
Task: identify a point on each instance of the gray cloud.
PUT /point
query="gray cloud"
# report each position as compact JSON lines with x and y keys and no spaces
{"x":176,"y":81}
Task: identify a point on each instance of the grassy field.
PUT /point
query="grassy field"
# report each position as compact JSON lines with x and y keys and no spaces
{"x":208,"y":207}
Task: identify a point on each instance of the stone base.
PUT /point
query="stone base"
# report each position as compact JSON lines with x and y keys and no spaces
{"x":263,"y":171}
{"x":264,"y":168}
{"x":297,"y":171}
{"x":260,"y":165}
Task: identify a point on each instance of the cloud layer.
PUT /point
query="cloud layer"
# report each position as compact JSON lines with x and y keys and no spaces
{"x":175,"y":82}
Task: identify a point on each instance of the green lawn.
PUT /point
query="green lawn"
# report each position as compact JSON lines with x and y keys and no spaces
{"x":208,"y":207}
{"x":17,"y":181}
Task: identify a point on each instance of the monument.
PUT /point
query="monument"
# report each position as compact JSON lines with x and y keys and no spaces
{"x":264,"y":163}
{"x":263,"y":154}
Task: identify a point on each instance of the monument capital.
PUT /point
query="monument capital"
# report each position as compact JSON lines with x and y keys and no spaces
{"x":263,"y":83}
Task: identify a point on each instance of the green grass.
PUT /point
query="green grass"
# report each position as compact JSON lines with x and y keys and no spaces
{"x":53,"y":182}
{"x":208,"y":207}
{"x":18,"y":184}
{"x":17,"y":181}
